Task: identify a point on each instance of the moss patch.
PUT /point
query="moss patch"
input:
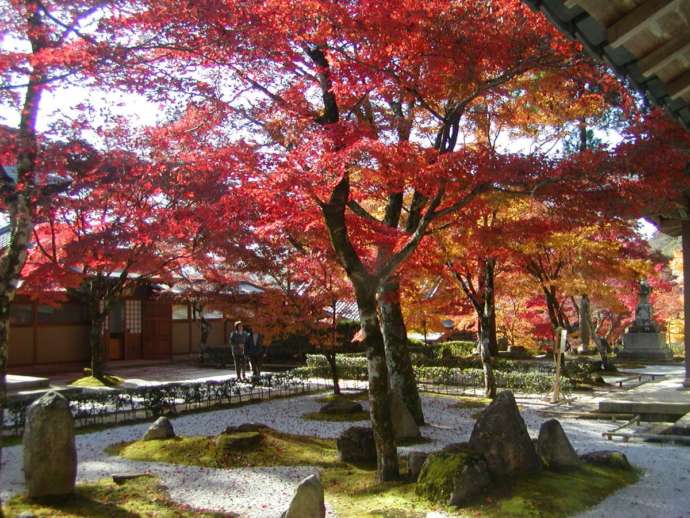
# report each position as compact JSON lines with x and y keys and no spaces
{"x":412,"y":442}
{"x":91,"y":381}
{"x":141,"y":497}
{"x":353,"y":491}
{"x":546,"y":494}
{"x":275,"y":449}
{"x":351,"y":416}
{"x":436,"y":478}
{"x":472,"y":402}
{"x":362,"y":395}
{"x":551,"y":495}
{"x":238,"y":441}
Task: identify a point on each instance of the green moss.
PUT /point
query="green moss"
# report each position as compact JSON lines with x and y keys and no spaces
{"x":412,"y":442}
{"x":352,"y":416}
{"x":436,"y":478}
{"x":275,"y":449}
{"x":547,"y":494}
{"x":463,"y":400}
{"x":472,"y":402}
{"x":238,"y":441}
{"x":91,"y":381}
{"x":362,"y":395}
{"x":353,"y":491}
{"x":141,"y":497}
{"x":551,"y":495}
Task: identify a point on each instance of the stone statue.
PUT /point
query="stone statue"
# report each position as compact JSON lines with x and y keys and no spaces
{"x":644,"y":322}
{"x":643,"y":341}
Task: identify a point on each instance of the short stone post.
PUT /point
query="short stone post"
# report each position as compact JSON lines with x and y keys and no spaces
{"x":50,"y":454}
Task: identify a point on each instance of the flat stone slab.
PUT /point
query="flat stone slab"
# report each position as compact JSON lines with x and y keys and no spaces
{"x":17,"y":383}
{"x":665,"y":396}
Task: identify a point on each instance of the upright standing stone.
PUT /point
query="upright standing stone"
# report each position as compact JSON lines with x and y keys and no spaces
{"x":404,"y":425}
{"x":501,"y":437}
{"x":50,"y":455}
{"x":554,"y":447}
{"x":308,"y":501}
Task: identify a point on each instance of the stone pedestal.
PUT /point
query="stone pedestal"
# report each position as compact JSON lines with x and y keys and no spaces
{"x":645,"y":346}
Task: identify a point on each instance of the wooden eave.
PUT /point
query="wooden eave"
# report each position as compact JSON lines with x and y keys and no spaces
{"x":645,"y":41}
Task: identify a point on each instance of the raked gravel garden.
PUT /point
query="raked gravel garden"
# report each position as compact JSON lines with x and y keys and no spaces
{"x":264,"y":492}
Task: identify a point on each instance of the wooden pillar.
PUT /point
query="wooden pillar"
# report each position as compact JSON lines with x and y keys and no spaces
{"x":685,"y":224}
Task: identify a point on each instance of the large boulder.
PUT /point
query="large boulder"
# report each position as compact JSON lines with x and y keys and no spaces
{"x":356,"y":444}
{"x":50,"y":454}
{"x":162,"y":428}
{"x":453,"y":477}
{"x":501,"y":437}
{"x":554,"y":448}
{"x":308,"y":501}
{"x":341,"y":405}
{"x":470,"y":482}
{"x":404,"y":426}
{"x":608,"y":458}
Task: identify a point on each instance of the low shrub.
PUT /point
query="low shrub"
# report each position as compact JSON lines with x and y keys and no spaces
{"x":348,"y":367}
{"x":532,"y":377}
{"x":96,"y":407}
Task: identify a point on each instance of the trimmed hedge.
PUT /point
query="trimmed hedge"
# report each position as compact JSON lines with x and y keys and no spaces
{"x":530,"y":382}
{"x":127,"y":404}
{"x":456,"y":348}
{"x":523,"y":376}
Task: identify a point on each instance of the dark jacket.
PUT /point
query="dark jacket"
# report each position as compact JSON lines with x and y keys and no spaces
{"x":237,"y":343}
{"x":254,"y":344}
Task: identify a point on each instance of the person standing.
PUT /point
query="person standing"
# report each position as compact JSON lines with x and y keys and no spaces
{"x":254,"y":350}
{"x":238,"y":339}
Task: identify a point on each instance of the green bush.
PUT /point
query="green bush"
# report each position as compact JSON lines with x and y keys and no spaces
{"x":528,"y":377}
{"x":456,"y":349}
{"x":348,"y":367}
{"x":522,"y":381}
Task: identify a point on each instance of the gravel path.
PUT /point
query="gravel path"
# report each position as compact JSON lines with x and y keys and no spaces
{"x":663,"y":491}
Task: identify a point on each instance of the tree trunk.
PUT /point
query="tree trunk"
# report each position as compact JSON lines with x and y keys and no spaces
{"x":97,"y":314}
{"x":400,"y":371}
{"x":491,"y":301}
{"x":379,"y":388}
{"x":205,"y":330}
{"x":332,"y":362}
{"x":485,"y":333}
{"x":19,"y":201}
{"x":685,"y":237}
{"x":585,"y":318}
{"x":4,"y":345}
{"x":365,"y":286}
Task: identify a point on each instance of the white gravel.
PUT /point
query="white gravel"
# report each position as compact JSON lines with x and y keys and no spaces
{"x":663,"y":491}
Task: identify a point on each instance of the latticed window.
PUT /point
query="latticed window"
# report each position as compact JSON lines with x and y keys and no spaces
{"x":133,"y":316}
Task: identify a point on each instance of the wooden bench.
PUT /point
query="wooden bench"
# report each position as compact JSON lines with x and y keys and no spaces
{"x":216,"y":356}
{"x":639,"y":378}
